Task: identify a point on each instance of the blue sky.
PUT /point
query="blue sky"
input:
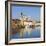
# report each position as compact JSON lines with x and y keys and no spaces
{"x":33,"y":12}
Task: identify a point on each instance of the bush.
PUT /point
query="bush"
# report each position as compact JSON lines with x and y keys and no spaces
{"x":21,"y":26}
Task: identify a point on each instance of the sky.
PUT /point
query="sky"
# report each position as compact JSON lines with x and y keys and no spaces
{"x":33,"y":12}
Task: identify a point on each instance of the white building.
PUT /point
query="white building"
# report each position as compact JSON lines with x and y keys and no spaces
{"x":27,"y":22}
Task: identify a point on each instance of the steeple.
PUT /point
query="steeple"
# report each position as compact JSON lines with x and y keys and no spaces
{"x":21,"y":13}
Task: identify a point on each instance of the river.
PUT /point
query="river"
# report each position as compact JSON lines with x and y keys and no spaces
{"x":27,"y":33}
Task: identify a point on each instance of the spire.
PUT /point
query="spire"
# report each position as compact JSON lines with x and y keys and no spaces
{"x":21,"y":13}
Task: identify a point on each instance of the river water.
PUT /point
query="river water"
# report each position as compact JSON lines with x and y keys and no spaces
{"x":27,"y":33}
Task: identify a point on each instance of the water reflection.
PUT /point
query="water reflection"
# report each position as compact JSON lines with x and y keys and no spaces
{"x":27,"y":32}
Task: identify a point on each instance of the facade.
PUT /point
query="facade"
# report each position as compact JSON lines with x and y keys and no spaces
{"x":27,"y":22}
